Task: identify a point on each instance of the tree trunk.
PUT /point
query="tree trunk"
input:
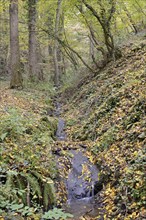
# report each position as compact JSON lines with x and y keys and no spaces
{"x":56,"y":48}
{"x":16,"y":77}
{"x":50,"y":32}
{"x":105,"y":22}
{"x":33,"y":64}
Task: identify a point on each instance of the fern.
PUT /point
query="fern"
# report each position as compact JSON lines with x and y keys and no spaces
{"x":21,"y":186}
{"x":10,"y":182}
{"x":48,"y":194}
{"x":42,"y":189}
{"x":34,"y":183}
{"x":8,"y":191}
{"x":10,"y":187}
{"x":36,"y":174}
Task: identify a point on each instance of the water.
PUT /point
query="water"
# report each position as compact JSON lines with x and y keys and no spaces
{"x":60,"y":133}
{"x":81,"y":178}
{"x":81,"y":207}
{"x":80,"y":185}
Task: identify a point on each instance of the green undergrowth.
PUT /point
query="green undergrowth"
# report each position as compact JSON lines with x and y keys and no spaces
{"x":109,"y":113}
{"x":27,"y":167}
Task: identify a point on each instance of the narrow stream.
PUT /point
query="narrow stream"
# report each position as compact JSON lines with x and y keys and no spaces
{"x":80,"y":185}
{"x":82,"y":177}
{"x":60,"y":133}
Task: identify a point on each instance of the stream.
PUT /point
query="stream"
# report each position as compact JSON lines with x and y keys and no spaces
{"x":80,"y":185}
{"x":81,"y":180}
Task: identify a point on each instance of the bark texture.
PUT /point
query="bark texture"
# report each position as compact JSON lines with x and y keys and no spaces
{"x":33,"y":62}
{"x":56,"y":49}
{"x":15,"y":67}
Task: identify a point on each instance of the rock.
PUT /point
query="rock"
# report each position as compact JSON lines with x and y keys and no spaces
{"x":142,"y":136}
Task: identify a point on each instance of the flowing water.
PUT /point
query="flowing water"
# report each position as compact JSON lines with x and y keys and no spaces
{"x":81,"y":180}
{"x":80,"y":185}
{"x":82,"y":177}
{"x":60,"y":133}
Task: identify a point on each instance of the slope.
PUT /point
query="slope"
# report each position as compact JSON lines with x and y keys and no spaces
{"x":107,"y":113}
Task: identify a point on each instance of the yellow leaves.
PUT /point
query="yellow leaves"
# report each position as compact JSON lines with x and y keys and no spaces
{"x":11,"y":156}
{"x":91,"y":157}
{"x":104,"y":216}
{"x":109,"y":195}
{"x":110,"y":192}
{"x":47,"y":180}
{"x":132,"y":216}
{"x":82,"y":218}
{"x":135,"y":153}
{"x":119,"y":217}
{"x":138,"y":172}
{"x":133,"y":205}
{"x":85,"y":170}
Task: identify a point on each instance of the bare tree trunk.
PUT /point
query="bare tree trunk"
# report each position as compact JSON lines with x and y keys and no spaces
{"x":56,"y":48}
{"x":16,"y":77}
{"x":4,"y":29}
{"x":33,"y":64}
{"x":50,"y":31}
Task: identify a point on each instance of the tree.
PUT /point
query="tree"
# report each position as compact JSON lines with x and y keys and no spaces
{"x":102,"y":24}
{"x":15,"y":67}
{"x":33,"y":62}
{"x":3,"y":36}
{"x":56,"y":48}
{"x":104,"y":17}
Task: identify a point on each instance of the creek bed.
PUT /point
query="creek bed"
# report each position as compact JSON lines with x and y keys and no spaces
{"x":81,"y":178}
{"x":80,"y":185}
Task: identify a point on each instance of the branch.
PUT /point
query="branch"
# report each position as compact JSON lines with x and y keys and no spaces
{"x":93,"y":11}
{"x":112,"y":10}
{"x":98,"y":47}
{"x":65,"y":45}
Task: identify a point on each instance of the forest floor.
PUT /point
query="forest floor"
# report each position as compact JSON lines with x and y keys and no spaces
{"x":104,"y":114}
{"x":107,"y":113}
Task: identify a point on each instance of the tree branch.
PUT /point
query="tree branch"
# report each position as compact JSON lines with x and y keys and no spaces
{"x":64,"y":44}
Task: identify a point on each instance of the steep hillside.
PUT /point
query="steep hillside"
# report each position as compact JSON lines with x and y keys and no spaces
{"x":108,"y":114}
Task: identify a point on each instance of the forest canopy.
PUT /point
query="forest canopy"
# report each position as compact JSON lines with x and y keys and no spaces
{"x":52,"y":34}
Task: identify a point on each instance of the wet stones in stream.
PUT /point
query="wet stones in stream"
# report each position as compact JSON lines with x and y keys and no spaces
{"x":77,"y":173}
{"x":82,"y":177}
{"x":80,"y":181}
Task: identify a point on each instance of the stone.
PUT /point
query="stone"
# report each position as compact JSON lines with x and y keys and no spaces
{"x":142,"y":136}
